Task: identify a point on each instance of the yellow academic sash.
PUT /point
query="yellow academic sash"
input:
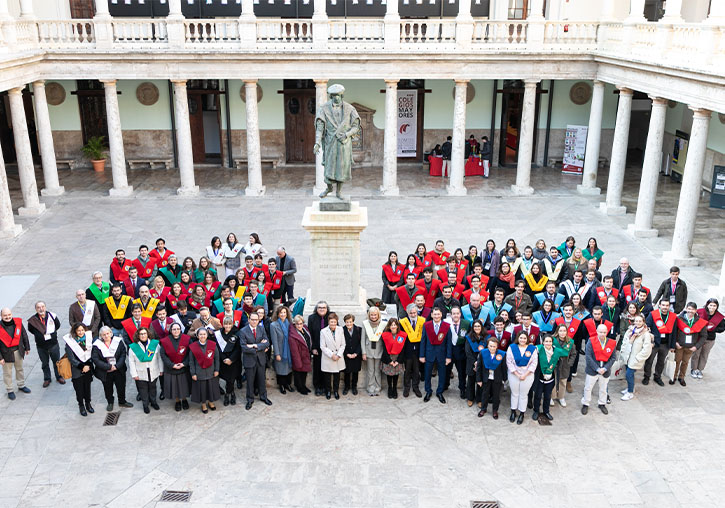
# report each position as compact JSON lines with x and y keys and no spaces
{"x":413,"y":335}
{"x":552,"y":274}
{"x":120,"y":311}
{"x":240,"y":292}
{"x":537,"y":287}
{"x":150,"y":307}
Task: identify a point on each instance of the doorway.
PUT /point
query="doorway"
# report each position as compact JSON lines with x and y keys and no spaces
{"x":92,"y":109}
{"x":512,"y":106}
{"x":7,"y":140}
{"x":205,"y":120}
{"x":300,"y":109}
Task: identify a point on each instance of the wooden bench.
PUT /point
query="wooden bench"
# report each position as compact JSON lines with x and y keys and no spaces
{"x":65,"y":163}
{"x":238,"y":163}
{"x":150,"y":162}
{"x":559,"y":161}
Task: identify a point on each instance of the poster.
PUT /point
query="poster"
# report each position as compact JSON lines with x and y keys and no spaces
{"x":679,"y":152}
{"x":407,"y":123}
{"x":575,"y":145}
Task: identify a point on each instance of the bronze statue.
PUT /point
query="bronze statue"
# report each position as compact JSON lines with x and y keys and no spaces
{"x":335,"y":125}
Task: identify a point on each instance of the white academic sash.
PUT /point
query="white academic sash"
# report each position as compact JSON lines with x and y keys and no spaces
{"x":233,"y":252}
{"x":88,"y":315}
{"x":177,"y":319}
{"x":83,"y":356}
{"x":584,"y":289}
{"x":49,"y":325}
{"x":109,"y":353}
{"x":375,"y":336}
{"x":218,"y":259}
{"x":220,"y":340}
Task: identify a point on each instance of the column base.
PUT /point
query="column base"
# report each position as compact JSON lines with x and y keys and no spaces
{"x":390,"y":191}
{"x":612,"y":210}
{"x":636,"y":232}
{"x":57,"y":191}
{"x":522,"y":191}
{"x":188,"y":191}
{"x":14,"y":231}
{"x":121,"y":192}
{"x":249,"y":191}
{"x":456,"y":191}
{"x":588,"y":191}
{"x":24,"y":211}
{"x":673,"y":260}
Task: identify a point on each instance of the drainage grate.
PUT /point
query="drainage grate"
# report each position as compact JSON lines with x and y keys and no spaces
{"x":484,"y":504}
{"x":111,"y":418}
{"x":176,"y":496}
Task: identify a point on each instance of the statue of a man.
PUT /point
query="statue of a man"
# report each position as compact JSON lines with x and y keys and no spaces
{"x":335,"y":125}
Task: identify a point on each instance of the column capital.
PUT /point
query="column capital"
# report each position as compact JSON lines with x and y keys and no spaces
{"x":108,"y":82}
{"x":700,"y":112}
{"x":596,"y":82}
{"x":658,"y":101}
{"x":250,"y":81}
{"x":16,"y":91}
{"x":39,"y":83}
{"x":179,"y":81}
{"x":531,"y":82}
{"x":623,"y":90}
{"x":461,"y":81}
{"x":391,"y":81}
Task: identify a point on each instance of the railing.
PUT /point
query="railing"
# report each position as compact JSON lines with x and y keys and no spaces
{"x":427,"y":32}
{"x":66,"y":34}
{"x":499,"y":33}
{"x":357,"y":31}
{"x":272,"y":32}
{"x":26,"y":32}
{"x":211,"y":32}
{"x":564,"y":35}
{"x":139,"y":33}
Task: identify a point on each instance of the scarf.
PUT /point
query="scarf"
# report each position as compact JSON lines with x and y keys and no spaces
{"x":507,"y":278}
{"x":285,"y":353}
{"x":540,"y":254}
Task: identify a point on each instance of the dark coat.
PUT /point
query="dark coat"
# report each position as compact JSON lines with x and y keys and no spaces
{"x":101,"y":366}
{"x":314,"y":326}
{"x":76,"y":365}
{"x":482,"y":371}
{"x":35,"y":326}
{"x":75,"y":315}
{"x":233,"y":352}
{"x":446,"y":150}
{"x":300,"y":350}
{"x":23,"y":346}
{"x":665,"y":291}
{"x":353,"y":346}
{"x":252,"y":356}
{"x":618,"y":282}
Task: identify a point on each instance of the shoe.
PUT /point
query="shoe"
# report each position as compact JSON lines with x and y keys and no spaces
{"x":249,"y":405}
{"x":693,"y":375}
{"x":212,"y":406}
{"x":682,"y":382}
{"x":82,"y":409}
{"x":585,"y":409}
{"x":672,"y":381}
{"x":162,"y":396}
{"x":109,"y":407}
{"x":25,"y":389}
{"x":573,"y":374}
{"x":282,"y":390}
{"x":626,"y":390}
{"x":204,"y":410}
{"x":520,"y":419}
{"x":425,"y":399}
{"x":535,"y":415}
{"x":406,"y":392}
{"x":441,"y":399}
{"x":495,"y":415}
{"x":266,"y":401}
{"x":569,"y":388}
{"x":46,"y":383}
{"x":89,"y":408}
{"x":146,"y":409}
{"x":328,"y":395}
{"x":233,"y":399}
{"x":11,"y":395}
{"x":416,"y":391}
{"x":470,"y":403}
{"x":562,"y":402}
{"x":184,"y":404}
{"x":239,"y":384}
{"x":628,"y":396}
{"x":548,"y":416}
{"x":303,"y":392}
{"x":463,"y":394}
{"x":603,"y":409}
{"x":318,"y":392}
{"x":354,"y":391}
{"x":512,"y":418}
{"x":551,"y":402}
{"x":609,"y":400}
{"x":226,"y":401}
{"x":395,"y":393}
{"x":344,"y":391}
{"x":481,"y":413}
{"x":177,"y":406}
{"x":125,"y":404}
{"x":155,"y":406}
{"x":659,"y":381}
{"x":290,"y":389}
{"x":390,"y":393}
{"x":61,"y":381}
{"x":699,"y":374}
{"x":645,"y":381}
{"x":480,"y":405}
{"x":337,"y":395}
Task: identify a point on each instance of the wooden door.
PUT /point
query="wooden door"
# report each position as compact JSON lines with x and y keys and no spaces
{"x":92,"y":107}
{"x":196,"y":121}
{"x":299,"y":116}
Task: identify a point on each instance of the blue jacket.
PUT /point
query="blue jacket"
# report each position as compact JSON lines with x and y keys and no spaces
{"x":440,"y":352}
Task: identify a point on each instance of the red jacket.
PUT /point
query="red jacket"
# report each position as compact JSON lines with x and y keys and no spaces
{"x":298,"y":349}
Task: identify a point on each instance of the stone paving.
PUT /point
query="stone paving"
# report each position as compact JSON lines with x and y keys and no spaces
{"x":664,"y":448}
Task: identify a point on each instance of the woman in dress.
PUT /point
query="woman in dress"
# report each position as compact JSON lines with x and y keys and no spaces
{"x":392,"y":362}
{"x":145,"y":366}
{"x":490,"y":259}
{"x":109,"y":362}
{"x":78,"y":349}
{"x":215,"y":253}
{"x":715,"y":324}
{"x":563,"y":342}
{"x":521,"y":360}
{"x":636,"y":348}
{"x":300,"y":342}
{"x":352,"y":354}
{"x":332,"y":347}
{"x":204,"y":369}
{"x":254,"y":247}
{"x":204,"y":267}
{"x":175,"y":357}
{"x":392,"y":274}
{"x":475,"y":343}
{"x":230,"y":358}
{"x":593,"y":252}
{"x":232,"y":254}
{"x":280,"y":328}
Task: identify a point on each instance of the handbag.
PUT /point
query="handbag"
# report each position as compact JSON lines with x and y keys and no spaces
{"x":619,"y":367}
{"x":670,"y":366}
{"x":64,"y":369}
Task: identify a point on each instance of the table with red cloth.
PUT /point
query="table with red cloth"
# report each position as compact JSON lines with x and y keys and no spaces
{"x":474,"y":166}
{"x":436,"y":165}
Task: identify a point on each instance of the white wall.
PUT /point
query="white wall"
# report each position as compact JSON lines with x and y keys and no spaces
{"x":44,"y":9}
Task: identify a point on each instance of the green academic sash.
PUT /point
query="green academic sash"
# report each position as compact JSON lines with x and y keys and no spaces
{"x":547,"y":367}
{"x":168,"y":275}
{"x":145,"y":356}
{"x":100,"y":294}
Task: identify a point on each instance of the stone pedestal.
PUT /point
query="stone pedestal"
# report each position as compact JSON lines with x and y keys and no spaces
{"x":335,"y":258}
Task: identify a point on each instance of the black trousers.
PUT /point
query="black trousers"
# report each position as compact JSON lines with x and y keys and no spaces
{"x":47,"y":356}
{"x":351,"y":380}
{"x":147,"y":391}
{"x":285,"y":380}
{"x":411,"y":376}
{"x":544,"y":388}
{"x":288,"y":292}
{"x":460,"y":369}
{"x":332,"y":381}
{"x":255,"y":377}
{"x":393,"y":382}
{"x":317,"y":380}
{"x":491,"y":392}
{"x":82,"y":386}
{"x":660,"y":352}
{"x":300,"y":381}
{"x":116,"y":378}
{"x":473,"y":391}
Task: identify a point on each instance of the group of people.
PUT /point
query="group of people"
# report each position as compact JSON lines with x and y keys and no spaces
{"x":482,"y":149}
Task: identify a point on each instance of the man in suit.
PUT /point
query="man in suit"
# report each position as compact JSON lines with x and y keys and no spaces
{"x":255,"y":343}
{"x":288,"y":265}
{"x":436,"y":348}
{"x":85,"y":311}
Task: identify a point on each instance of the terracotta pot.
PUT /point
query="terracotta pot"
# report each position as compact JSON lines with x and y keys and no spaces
{"x":99,"y":165}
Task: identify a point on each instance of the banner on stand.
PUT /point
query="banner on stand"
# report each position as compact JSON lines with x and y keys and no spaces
{"x":575,"y":145}
{"x":407,"y":123}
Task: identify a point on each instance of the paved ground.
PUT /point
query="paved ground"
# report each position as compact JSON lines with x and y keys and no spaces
{"x":662,"y":449}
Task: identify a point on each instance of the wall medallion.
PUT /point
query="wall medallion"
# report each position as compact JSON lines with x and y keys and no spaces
{"x":54,"y":93}
{"x":147,"y":93}
{"x":580,"y":93}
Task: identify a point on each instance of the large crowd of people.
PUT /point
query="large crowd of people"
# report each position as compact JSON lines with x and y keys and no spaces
{"x":188,"y":331}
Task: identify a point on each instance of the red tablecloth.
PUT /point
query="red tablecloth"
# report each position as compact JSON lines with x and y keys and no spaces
{"x":474,"y":166}
{"x":436,"y":165}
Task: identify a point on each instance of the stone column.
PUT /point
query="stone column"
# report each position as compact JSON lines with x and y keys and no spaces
{"x":456,"y":187}
{"x":681,"y":253}
{"x":115,"y":142}
{"x":464,"y":24}
{"x":391,"y":26}
{"x":102,"y":8}
{"x":8,"y":228}
{"x":248,"y":25}
{"x":45,"y":139}
{"x":254,"y":154}
{"x":102,"y":28}
{"x":320,"y":99}
{"x":636,"y":12}
{"x":175,"y":30}
{"x":608,"y":11}
{"x":613,"y":205}
{"x":26,"y":9}
{"x":24,"y":155}
{"x":320,"y":25}
{"x":673,"y":12}
{"x":390,"y":146}
{"x":594,"y":137}
{"x":7,"y":25}
{"x":642,"y":226}
{"x":526,"y":141}
{"x":183,"y":140}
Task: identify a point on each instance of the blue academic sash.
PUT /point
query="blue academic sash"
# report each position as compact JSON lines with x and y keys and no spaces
{"x":491,"y":312}
{"x":548,"y":325}
{"x":522,"y":360}
{"x":558,"y":299}
{"x":492,"y":363}
{"x":476,"y":347}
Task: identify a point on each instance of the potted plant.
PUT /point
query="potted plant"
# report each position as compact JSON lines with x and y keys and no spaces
{"x":95,"y":150}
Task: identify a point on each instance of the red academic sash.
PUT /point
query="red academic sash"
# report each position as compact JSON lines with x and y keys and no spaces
{"x":695,"y":328}
{"x":209,"y":292}
{"x":592,"y":326}
{"x":430,"y":296}
{"x":484,"y":280}
{"x":205,"y":360}
{"x":662,"y":327}
{"x":467,"y":295}
{"x":197,"y":306}
{"x":439,"y":259}
{"x":15,"y":339}
{"x":602,"y":354}
{"x":457,"y":292}
{"x":424,"y":263}
{"x":161,"y":261}
{"x":120,"y":272}
{"x":505,"y":339}
{"x":533,"y":332}
{"x":462,"y":264}
{"x":174,"y":355}
{"x":129,"y":287}
{"x":415,"y":271}
{"x":266,"y":289}
{"x":162,"y":332}
{"x":713,"y":321}
{"x":571,"y":328}
{"x":430,"y":331}
{"x":602,"y":294}
{"x":144,"y":272}
{"x":628,"y":292}
{"x":393,"y":274}
{"x":249,"y":276}
{"x":131,"y":328}
{"x":443,"y":276}
{"x":394,"y":345}
{"x":173,"y":301}
{"x":405,"y":300}
{"x":237,"y":318}
{"x":160,"y":296}
{"x":276,"y":280}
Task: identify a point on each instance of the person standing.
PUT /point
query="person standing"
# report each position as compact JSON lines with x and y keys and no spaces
{"x":545,"y":379}
{"x":372,"y":350}
{"x":599,"y":359}
{"x":635,"y":349}
{"x":300,"y":345}
{"x":674,"y":290}
{"x":332,"y":347}
{"x":662,"y":325}
{"x":352,"y":354}
{"x":412,"y":325}
{"x":521,"y":360}
{"x":175,"y":358}
{"x":14,"y":347}
{"x":474,"y":345}
{"x":490,"y":372}
{"x":79,"y":348}
{"x":392,"y":363}
{"x":145,"y":367}
{"x":436,"y":349}
{"x":44,"y":326}
{"x":204,"y":370}
{"x":459,"y":330}
{"x":230,"y":359}
{"x":109,"y":365}
{"x":691,"y":334}
{"x":287,"y":265}
{"x":446,"y":151}
{"x":486,"y":155}
{"x":565,"y":343}
{"x":280,"y":343}
{"x":715,"y":324}
{"x":255,"y":343}
{"x":315,"y":323}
